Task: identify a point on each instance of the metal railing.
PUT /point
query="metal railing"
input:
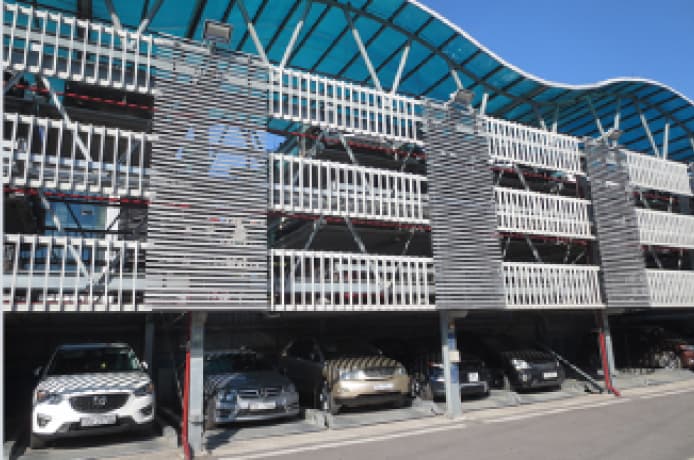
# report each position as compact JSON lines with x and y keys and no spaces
{"x":333,"y":104}
{"x":658,"y":174}
{"x":335,"y":281}
{"x":535,"y":285}
{"x":42,"y":152}
{"x":542,"y":214}
{"x":662,"y":228}
{"x":54,"y":45}
{"x":43,"y":273}
{"x":303,"y":185}
{"x":671,"y":288}
{"x":511,"y":142}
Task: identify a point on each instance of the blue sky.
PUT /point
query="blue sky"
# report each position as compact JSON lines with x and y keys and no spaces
{"x":584,"y":41}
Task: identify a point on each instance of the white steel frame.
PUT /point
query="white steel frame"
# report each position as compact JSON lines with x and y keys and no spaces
{"x":304,"y":185}
{"x":337,"y":281}
{"x":658,"y":174}
{"x":660,"y":228}
{"x":334,"y":104}
{"x":534,"y":285}
{"x":60,"y":46}
{"x":671,"y":288}
{"x":116,"y":163}
{"x":54,"y":280}
{"x":536,"y":213}
{"x":511,"y":142}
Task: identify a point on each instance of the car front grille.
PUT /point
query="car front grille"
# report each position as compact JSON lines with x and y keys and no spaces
{"x":99,"y":403}
{"x":379,"y":372}
{"x":255,"y":393}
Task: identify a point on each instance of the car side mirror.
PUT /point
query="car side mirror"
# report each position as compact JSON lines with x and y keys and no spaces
{"x":37,"y":371}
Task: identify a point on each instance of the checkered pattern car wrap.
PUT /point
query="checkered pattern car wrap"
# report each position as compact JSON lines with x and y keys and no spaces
{"x":78,"y":383}
{"x":333,"y":368}
{"x":217,"y":381}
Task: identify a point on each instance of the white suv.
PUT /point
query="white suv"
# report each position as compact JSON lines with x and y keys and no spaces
{"x":88,"y":389}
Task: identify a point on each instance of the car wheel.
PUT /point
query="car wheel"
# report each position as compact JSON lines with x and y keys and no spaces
{"x":426,"y":394}
{"x":36,"y":442}
{"x":327,"y":401}
{"x":210,"y":423}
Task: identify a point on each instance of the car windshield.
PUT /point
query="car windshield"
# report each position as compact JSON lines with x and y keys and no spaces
{"x":348,"y":349}
{"x":91,"y":360}
{"x":235,"y":362}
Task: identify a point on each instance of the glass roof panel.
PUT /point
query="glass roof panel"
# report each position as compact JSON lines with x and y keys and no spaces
{"x":384,"y":8}
{"x":436,"y":33}
{"x":459,"y":49}
{"x":411,"y":18}
{"x":172,"y":18}
{"x":481,"y":64}
{"x":431,"y":71}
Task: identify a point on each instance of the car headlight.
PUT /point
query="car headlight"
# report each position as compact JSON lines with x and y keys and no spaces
{"x":289,"y":388}
{"x":400,"y":370}
{"x":353,"y":375}
{"x":43,"y":396}
{"x":144,"y":390}
{"x":227,"y":395}
{"x":520,"y":364}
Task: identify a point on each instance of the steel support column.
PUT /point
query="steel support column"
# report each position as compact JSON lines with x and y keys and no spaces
{"x":609,"y":349}
{"x":149,"y":345}
{"x":450,"y":358}
{"x":195,"y":399}
{"x":686,"y":208}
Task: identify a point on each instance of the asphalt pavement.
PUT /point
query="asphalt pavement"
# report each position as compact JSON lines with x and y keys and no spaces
{"x":645,"y":424}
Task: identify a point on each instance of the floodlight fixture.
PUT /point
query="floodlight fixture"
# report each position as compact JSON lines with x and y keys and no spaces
{"x":614,"y":134}
{"x":463,"y":96}
{"x":217,"y":32}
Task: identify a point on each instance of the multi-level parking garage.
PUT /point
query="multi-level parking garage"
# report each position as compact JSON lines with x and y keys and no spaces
{"x":349,"y":168}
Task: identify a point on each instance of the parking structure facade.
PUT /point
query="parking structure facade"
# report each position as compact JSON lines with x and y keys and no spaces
{"x":155,"y":174}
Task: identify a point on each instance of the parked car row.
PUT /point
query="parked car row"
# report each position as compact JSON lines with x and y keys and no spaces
{"x":103,"y":387}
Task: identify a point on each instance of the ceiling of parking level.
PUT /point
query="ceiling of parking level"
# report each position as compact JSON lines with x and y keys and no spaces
{"x":439,"y":54}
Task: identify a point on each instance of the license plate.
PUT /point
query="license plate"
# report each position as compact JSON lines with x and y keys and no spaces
{"x":383,"y":386}
{"x":262,"y":405}
{"x":473,"y":377}
{"x":98,"y":420}
{"x":549,"y":375}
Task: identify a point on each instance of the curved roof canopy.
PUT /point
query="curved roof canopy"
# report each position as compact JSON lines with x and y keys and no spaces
{"x":435,"y":58}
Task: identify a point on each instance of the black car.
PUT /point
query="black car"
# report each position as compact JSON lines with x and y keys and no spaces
{"x":524,"y":365}
{"x":473,"y":378}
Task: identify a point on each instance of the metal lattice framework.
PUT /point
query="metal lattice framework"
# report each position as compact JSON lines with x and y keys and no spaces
{"x":75,"y":49}
{"x":333,"y":281}
{"x":658,"y":174}
{"x":333,"y":104}
{"x":83,"y":274}
{"x":73,"y":156}
{"x":534,"y":285}
{"x":671,"y":288}
{"x":304,"y":185}
{"x":542,"y":214}
{"x":44,"y":273}
{"x":511,"y":142}
{"x":661,"y":228}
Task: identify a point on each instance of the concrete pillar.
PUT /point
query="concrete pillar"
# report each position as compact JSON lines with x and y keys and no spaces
{"x":195,"y":402}
{"x":450,"y":359}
